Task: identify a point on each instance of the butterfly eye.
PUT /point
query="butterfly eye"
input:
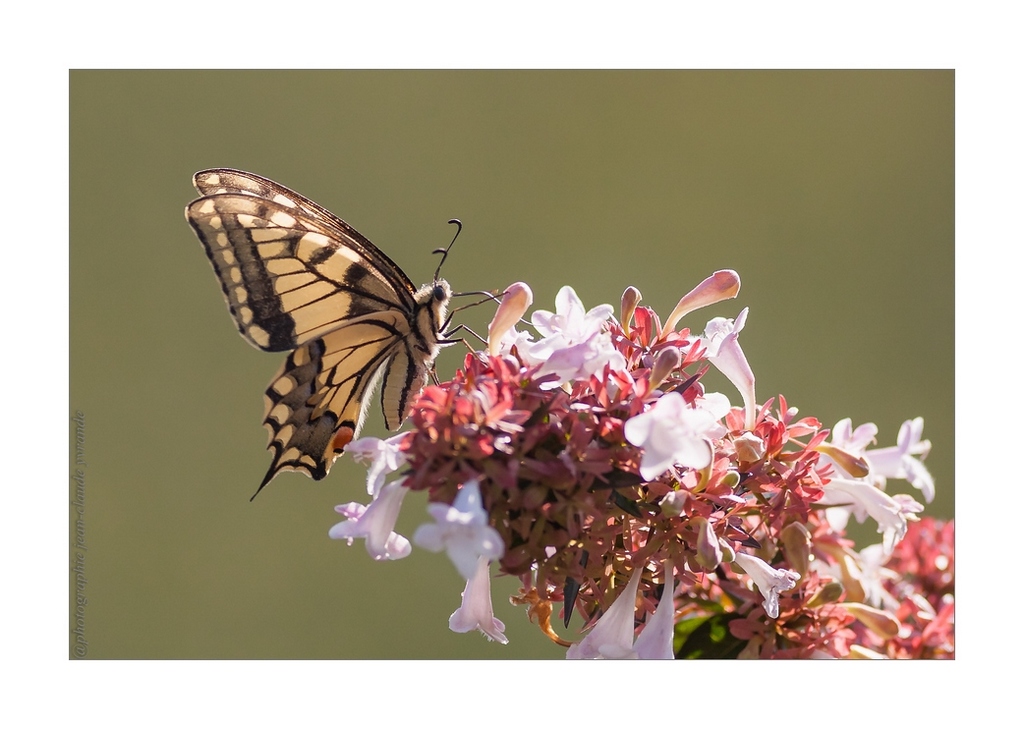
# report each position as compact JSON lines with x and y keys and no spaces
{"x":440,"y":294}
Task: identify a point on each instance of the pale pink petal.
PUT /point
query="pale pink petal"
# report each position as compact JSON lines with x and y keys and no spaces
{"x":476,"y":612}
{"x":721,"y":337}
{"x":461,"y":529}
{"x":656,"y":636}
{"x":769,"y":580}
{"x":612,"y":635}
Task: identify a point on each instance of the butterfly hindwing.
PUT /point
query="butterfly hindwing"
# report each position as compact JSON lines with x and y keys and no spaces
{"x":317,"y":402}
{"x":297,"y":278}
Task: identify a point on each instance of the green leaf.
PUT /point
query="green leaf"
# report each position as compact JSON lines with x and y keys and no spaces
{"x":626,"y":505}
{"x":706,"y":637}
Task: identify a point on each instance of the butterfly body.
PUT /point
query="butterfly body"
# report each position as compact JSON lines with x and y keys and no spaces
{"x":297,"y":278}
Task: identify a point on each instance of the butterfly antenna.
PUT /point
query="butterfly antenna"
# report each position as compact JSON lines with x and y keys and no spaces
{"x":488,"y":296}
{"x":444,"y":251}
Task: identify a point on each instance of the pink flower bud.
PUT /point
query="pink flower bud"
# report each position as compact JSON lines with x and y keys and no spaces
{"x":709,"y":553}
{"x":719,"y":286}
{"x":879,"y":622}
{"x":749,"y":447}
{"x":828,"y":593}
{"x":853,"y":464}
{"x":630,"y":298}
{"x":796,"y":546}
{"x":667,"y":360}
{"x":514,"y":302}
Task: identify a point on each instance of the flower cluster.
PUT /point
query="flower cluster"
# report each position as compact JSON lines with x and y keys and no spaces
{"x":588,"y":461}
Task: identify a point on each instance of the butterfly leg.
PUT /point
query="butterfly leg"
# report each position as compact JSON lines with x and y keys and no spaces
{"x":448,"y":340}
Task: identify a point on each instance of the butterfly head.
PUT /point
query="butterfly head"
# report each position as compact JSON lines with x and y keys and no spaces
{"x":432,"y":302}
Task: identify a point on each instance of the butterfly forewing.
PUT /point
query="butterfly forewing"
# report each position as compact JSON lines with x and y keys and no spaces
{"x":227,"y":181}
{"x":296,"y":277}
{"x":285,"y":278}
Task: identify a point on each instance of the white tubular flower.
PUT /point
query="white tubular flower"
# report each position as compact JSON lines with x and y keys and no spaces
{"x":571,"y":321}
{"x":476,"y":611}
{"x":854,"y":441}
{"x":769,"y":580}
{"x":655,"y":641}
{"x":375,"y":523}
{"x":900,"y":462}
{"x":612,"y":635}
{"x":864,"y":500}
{"x":872,"y":574}
{"x":575,"y":343}
{"x":672,"y":433}
{"x":515,"y":338}
{"x":462,"y":530}
{"x":721,"y":337}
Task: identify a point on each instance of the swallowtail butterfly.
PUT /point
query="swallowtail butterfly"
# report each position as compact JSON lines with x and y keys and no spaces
{"x":299,"y":279}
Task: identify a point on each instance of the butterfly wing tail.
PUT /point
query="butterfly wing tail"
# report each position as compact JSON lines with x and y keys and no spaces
{"x":317,"y":402}
{"x":302,"y":431}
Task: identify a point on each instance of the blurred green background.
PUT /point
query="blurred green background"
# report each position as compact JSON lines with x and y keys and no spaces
{"x":831,"y":193}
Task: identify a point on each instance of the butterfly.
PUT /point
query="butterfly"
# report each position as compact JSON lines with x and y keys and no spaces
{"x":299,"y":279}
